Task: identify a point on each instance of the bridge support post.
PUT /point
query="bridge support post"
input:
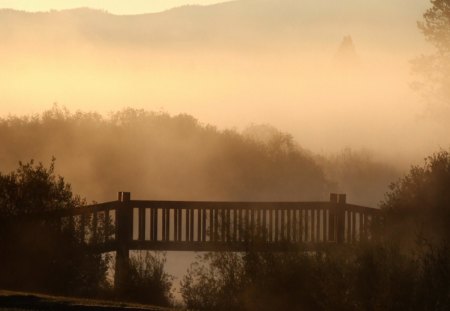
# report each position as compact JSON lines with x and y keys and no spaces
{"x":124,"y":235}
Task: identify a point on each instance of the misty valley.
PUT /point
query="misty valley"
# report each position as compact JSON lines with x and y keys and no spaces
{"x":225,"y":155}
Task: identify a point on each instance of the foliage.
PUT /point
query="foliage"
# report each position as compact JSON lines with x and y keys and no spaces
{"x":36,"y":254}
{"x":433,"y":70}
{"x":407,"y":268}
{"x":148,"y":282}
{"x":367,"y":277}
{"x":185,"y":160}
{"x":433,"y":290}
{"x":214,"y":282}
{"x":418,"y":205}
{"x":33,"y":189}
{"x":180,"y":157}
{"x":359,"y":174}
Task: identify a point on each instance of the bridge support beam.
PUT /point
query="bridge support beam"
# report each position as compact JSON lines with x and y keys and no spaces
{"x":124,"y":235}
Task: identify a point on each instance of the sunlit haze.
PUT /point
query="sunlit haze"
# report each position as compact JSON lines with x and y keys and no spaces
{"x":230,"y":65}
{"x":112,"y":6}
{"x":276,"y":102}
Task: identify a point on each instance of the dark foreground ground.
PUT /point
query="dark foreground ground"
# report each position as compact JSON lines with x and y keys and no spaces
{"x":11,"y":300}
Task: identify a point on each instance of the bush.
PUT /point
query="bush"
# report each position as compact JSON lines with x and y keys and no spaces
{"x":418,"y":205}
{"x":148,"y":282}
{"x":36,"y":253}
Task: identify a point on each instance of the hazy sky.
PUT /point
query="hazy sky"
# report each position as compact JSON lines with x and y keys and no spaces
{"x":113,"y":6}
{"x":270,"y":62}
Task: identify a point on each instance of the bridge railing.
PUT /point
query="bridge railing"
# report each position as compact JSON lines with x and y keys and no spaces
{"x":201,"y":225}
{"x":126,"y":224}
{"x":236,"y":225}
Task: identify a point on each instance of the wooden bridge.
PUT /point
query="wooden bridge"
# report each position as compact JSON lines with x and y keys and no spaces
{"x":126,"y":224}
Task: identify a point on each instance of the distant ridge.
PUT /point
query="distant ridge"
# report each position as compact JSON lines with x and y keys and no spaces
{"x":241,"y":23}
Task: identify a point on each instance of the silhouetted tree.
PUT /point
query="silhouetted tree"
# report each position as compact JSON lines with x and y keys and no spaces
{"x":417,"y":218}
{"x":36,"y":254}
{"x":418,"y":205}
{"x":182,"y":158}
{"x":434,"y":69}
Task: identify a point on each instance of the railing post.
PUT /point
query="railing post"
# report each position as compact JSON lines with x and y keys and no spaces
{"x":340,"y":215}
{"x":124,"y":235}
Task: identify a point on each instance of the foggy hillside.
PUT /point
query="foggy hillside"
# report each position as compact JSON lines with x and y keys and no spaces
{"x":158,"y":156}
{"x":245,"y":22}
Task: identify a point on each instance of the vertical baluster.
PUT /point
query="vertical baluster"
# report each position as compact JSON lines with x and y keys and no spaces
{"x":240,"y":228}
{"x":264,"y":224}
{"x":191,"y":226}
{"x":353,"y":226}
{"x":94,"y":227}
{"x":252,"y":223}
{"x":294,"y":226}
{"x":216,"y":225}
{"x":307,"y":225}
{"x":180,"y":222}
{"x":211,"y":224}
{"x":188,"y":230}
{"x":199,"y":225}
{"x":175,"y":225}
{"x":258,"y":223}
{"x":157,"y":224}
{"x":276,"y":225}
{"x":141,"y":217}
{"x":163,"y":237}
{"x":106,"y":226}
{"x":228,"y":225}
{"x":247,"y":224}
{"x":151,"y":225}
{"x":331,"y":224}
{"x":361,"y":227}
{"x":299,"y":226}
{"x":318,"y":222}
{"x":204,"y":226}
{"x":223,"y":225}
{"x":289,"y":226}
{"x":234,"y":225}
{"x":349,"y":226}
{"x":168,"y":224}
{"x":270,"y":225}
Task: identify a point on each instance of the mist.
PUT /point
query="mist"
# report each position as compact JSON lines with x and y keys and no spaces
{"x":232,"y":65}
{"x":247,"y":100}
